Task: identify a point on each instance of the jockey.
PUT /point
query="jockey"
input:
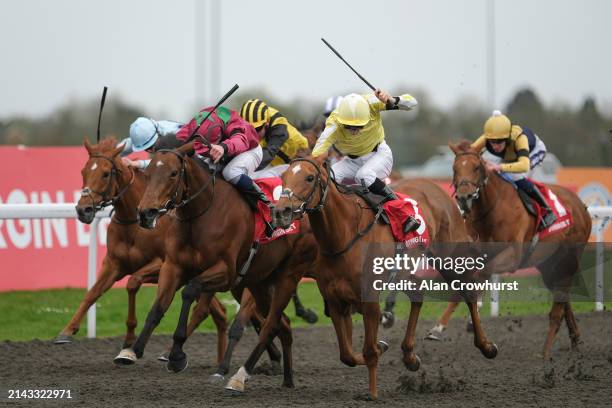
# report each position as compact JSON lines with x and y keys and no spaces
{"x":233,"y":139}
{"x":280,"y":140}
{"x":145,"y":134}
{"x":355,"y":130}
{"x":516,"y":151}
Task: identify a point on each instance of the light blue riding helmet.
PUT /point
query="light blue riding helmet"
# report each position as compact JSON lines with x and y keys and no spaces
{"x":143,"y":133}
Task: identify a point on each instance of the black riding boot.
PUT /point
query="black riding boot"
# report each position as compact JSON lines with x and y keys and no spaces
{"x":380,"y":188}
{"x":532,"y":191}
{"x":252,"y":194}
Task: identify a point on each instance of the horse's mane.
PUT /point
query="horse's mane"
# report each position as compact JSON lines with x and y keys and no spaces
{"x":106,"y":144}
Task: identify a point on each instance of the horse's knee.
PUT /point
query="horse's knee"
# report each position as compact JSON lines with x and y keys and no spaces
{"x":133,"y":284}
{"x":348,"y":359}
{"x":191,"y":292}
{"x":236,"y":330}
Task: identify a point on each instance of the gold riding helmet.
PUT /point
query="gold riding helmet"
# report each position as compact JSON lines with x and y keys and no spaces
{"x":497,"y":127}
{"x":256,"y":112}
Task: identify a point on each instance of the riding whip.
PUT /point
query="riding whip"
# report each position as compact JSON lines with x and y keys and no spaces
{"x":100,"y":114}
{"x":227,"y":95}
{"x":349,"y":65}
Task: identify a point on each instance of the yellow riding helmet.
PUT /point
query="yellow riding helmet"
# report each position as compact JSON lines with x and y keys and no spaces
{"x":498,"y":126}
{"x":354,"y":110}
{"x":256,"y":112}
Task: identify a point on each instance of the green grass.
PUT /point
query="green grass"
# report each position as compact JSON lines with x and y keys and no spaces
{"x":42,"y":314}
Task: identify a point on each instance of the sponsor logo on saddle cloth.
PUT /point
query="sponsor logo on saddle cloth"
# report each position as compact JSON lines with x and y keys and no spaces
{"x":398,"y":211}
{"x":272,"y":186}
{"x":564,"y":218}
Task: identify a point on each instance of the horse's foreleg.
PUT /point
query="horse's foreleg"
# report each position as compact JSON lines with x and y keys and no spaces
{"x":554,"y":318}
{"x":147,"y":274}
{"x":177,"y":359}
{"x":169,"y":282}
{"x":372,"y":349}
{"x":219,"y":316}
{"x":341,"y":318}
{"x":411,"y":359}
{"x":109,"y":274}
{"x":488,"y":349}
{"x":272,"y":326}
{"x":572,"y":326}
{"x":436,"y":332}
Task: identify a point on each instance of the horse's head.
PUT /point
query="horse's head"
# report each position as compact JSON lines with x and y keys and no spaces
{"x":167,"y":175}
{"x":469,"y":174}
{"x":100,"y":178}
{"x":305,"y":185}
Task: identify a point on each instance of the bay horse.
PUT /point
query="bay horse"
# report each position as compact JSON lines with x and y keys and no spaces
{"x":495,"y":213}
{"x":338,"y":223}
{"x":130,"y":250}
{"x":208,"y":243}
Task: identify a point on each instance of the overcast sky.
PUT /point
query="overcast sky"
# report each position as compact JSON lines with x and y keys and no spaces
{"x":145,"y":50}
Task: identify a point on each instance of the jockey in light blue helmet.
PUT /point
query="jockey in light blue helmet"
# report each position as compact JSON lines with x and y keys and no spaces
{"x":144,"y":134}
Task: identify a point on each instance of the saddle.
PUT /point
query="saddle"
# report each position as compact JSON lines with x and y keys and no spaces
{"x":373,"y":201}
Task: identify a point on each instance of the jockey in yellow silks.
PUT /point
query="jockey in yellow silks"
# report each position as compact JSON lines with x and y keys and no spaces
{"x":355,"y":129}
{"x":515,"y":150}
{"x":279,"y":139}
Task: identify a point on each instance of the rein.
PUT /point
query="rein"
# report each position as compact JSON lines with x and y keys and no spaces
{"x":324,"y":190}
{"x":106,"y":201}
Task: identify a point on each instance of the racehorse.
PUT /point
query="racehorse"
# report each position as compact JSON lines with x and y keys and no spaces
{"x":494,"y":212}
{"x":338,"y":224}
{"x":130,"y":250}
{"x":208,"y":244}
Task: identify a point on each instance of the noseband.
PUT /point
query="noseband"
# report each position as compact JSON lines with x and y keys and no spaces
{"x":303,"y":209}
{"x":106,"y":201}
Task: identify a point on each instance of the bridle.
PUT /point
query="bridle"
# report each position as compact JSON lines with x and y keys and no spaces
{"x":176,"y":202}
{"x":303,"y":207}
{"x":324,"y":190}
{"x":106,"y":200}
{"x":482,"y":179}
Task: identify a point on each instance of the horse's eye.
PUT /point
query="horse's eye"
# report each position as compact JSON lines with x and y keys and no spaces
{"x":310,"y":178}
{"x":174,"y":173}
{"x":106,"y":174}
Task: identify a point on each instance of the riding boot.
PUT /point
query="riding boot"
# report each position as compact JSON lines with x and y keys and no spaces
{"x":532,"y":191}
{"x":380,"y":188}
{"x":252,"y":194}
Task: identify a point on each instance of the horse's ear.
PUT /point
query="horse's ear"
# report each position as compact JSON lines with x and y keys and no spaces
{"x":454,"y":148}
{"x":186,"y":149}
{"x":87,"y":145}
{"x":118,"y":150}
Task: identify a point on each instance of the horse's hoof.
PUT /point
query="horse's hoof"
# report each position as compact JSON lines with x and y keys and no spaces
{"x":387,"y":319}
{"x":310,"y":316}
{"x":177,"y":365}
{"x":491,"y":352}
{"x":414,"y":366}
{"x":216,"y":379}
{"x":125,"y":357}
{"x":163,"y":356}
{"x":434,"y":335}
{"x":383,"y":346}
{"x":236,"y":383}
{"x":62,"y":339}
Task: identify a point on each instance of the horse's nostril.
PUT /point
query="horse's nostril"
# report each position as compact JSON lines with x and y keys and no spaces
{"x":88,"y":210}
{"x":287,"y":211}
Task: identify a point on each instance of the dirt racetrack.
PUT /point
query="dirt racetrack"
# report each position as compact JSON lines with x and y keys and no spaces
{"x":453,"y":372}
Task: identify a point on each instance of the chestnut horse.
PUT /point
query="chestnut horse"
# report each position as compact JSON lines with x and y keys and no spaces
{"x":495,"y":213}
{"x":130,"y":250}
{"x":338,"y":223}
{"x":208,"y":243}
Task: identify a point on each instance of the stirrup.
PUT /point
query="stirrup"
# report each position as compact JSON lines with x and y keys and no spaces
{"x":548,"y":219}
{"x":411,"y":224}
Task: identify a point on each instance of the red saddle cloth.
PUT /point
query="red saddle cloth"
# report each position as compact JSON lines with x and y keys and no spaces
{"x":272,"y":187}
{"x":564,"y":217}
{"x":398,"y":211}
